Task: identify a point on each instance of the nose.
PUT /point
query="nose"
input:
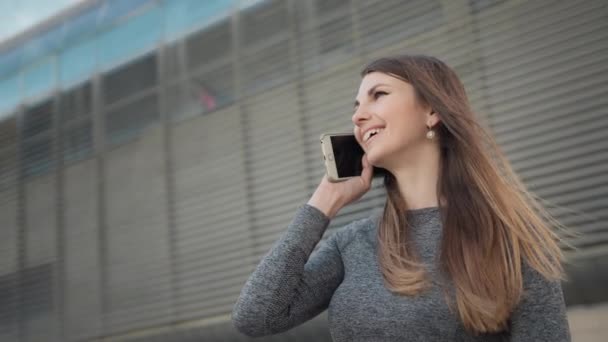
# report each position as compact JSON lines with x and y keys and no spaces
{"x":360,"y":116}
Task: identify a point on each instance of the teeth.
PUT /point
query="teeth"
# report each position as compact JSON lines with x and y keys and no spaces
{"x":368,"y":134}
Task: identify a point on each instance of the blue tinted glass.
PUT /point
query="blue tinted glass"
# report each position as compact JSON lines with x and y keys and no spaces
{"x":186,"y":15}
{"x":83,"y":25}
{"x":9,"y":94}
{"x":39,"y":78}
{"x":136,"y":36}
{"x":77,"y":63}
{"x":10,"y":61}
{"x":42,"y":45}
{"x":115,"y":9}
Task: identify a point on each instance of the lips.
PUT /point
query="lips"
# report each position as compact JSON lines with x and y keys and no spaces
{"x":373,"y":137}
{"x":370,"y":133}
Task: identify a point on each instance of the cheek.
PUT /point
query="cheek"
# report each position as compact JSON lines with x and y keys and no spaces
{"x":404,"y":130}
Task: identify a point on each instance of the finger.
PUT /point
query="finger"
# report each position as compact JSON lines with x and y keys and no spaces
{"x":366,"y":174}
{"x":364,"y":161}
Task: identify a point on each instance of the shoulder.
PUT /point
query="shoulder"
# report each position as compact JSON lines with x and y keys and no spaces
{"x":533,"y":279}
{"x":363,"y":228}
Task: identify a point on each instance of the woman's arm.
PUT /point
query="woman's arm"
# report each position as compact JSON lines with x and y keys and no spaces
{"x":541,"y":314}
{"x":289,"y":286}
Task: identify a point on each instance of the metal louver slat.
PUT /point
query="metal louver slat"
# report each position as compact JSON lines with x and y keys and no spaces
{"x":211,"y":208}
{"x":83,"y":306}
{"x":277,"y":157}
{"x":40,"y":257}
{"x":9,"y":261}
{"x":137,"y":235}
{"x":546,"y":86}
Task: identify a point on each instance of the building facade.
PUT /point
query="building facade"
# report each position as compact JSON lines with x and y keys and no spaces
{"x":152,"y":151}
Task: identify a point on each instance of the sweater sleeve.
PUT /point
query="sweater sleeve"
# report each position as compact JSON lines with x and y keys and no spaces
{"x":289,"y":286}
{"x":541,"y":314}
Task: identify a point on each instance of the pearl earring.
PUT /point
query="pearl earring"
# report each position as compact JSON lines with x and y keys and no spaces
{"x":430,"y":134}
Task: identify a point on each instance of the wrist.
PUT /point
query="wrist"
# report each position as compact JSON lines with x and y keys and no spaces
{"x":327,"y":204}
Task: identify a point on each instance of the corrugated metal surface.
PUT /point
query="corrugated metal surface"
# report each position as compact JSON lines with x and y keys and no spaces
{"x":39,"y":278}
{"x":82,"y":263}
{"x":139,"y":276}
{"x":9,"y":242}
{"x":212,"y":217}
{"x":546,"y":82}
{"x":176,"y":172}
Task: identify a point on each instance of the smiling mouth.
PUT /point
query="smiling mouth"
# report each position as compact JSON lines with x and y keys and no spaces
{"x":371,"y":138}
{"x":367,"y":137}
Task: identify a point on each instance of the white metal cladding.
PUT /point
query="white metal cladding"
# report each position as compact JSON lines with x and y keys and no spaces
{"x":118,"y":223}
{"x":546,"y":81}
{"x":138,"y":257}
{"x":9,"y":247}
{"x":212,"y":223}
{"x":83,"y":306}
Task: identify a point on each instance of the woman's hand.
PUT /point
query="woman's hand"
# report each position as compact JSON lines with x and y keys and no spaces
{"x":331,"y":197}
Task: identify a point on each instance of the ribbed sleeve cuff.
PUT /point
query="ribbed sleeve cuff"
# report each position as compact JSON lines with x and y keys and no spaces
{"x":308,"y":224}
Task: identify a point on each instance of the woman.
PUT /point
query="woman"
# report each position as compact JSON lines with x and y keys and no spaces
{"x":460,"y":252}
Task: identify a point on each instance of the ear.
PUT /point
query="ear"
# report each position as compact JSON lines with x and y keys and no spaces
{"x":432,"y":118}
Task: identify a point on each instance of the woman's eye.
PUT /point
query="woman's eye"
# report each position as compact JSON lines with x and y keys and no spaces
{"x":376,"y":94}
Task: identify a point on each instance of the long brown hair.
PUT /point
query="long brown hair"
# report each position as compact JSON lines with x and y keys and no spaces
{"x":492,"y":224}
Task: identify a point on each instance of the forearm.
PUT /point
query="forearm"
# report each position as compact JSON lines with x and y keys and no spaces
{"x":327,"y":202}
{"x":282,"y":290}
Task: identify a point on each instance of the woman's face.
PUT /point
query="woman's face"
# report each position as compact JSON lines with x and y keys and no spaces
{"x":387,"y":105}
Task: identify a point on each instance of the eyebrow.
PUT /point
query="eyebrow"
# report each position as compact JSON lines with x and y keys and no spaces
{"x":370,"y":92}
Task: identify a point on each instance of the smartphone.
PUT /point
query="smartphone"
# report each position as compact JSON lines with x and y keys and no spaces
{"x":342,"y":155}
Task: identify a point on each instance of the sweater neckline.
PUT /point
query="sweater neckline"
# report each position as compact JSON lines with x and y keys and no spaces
{"x":422,"y":215}
{"x":422,"y":211}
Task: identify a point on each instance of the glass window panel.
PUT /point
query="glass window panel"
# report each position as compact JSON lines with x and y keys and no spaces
{"x":133,"y":37}
{"x":77,"y":142}
{"x":112,"y":11}
{"x":129,"y":79}
{"x":75,"y":103}
{"x":9,"y":94}
{"x":264,"y":20}
{"x":202,"y":93}
{"x":129,"y":120}
{"x":39,"y":78}
{"x":209,"y":45}
{"x":83,"y":25}
{"x":37,"y":156}
{"x":10,"y":61}
{"x":37,"y":119}
{"x":43,"y":44}
{"x":214,"y":89}
{"x":181,"y":101}
{"x":77,"y":62}
{"x":184,"y":15}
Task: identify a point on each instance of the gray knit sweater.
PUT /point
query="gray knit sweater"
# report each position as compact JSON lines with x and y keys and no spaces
{"x":294,"y":283}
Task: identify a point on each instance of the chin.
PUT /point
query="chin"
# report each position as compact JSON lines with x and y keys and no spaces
{"x":375,"y":159}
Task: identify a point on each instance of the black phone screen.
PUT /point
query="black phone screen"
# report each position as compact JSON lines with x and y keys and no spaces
{"x":347,"y":155}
